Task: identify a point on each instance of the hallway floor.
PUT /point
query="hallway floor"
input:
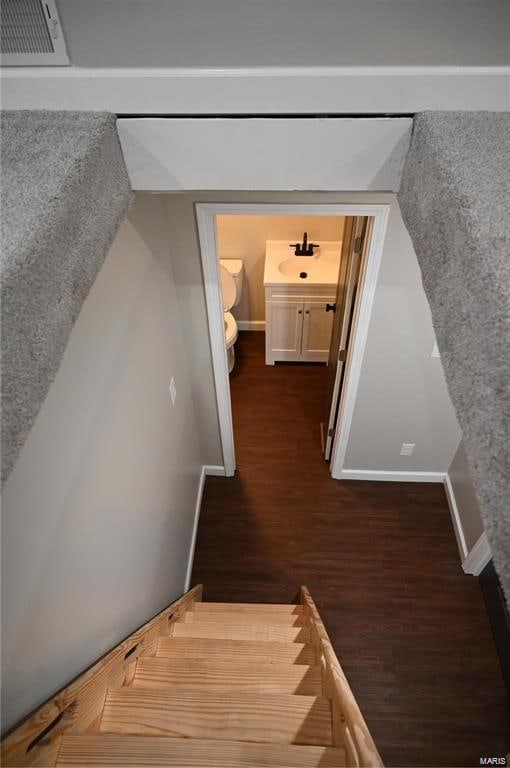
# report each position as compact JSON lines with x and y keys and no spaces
{"x":380,"y":559}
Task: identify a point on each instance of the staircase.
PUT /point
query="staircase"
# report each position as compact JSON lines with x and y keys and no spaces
{"x":206,"y":685}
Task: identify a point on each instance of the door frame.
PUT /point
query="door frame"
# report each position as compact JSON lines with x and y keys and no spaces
{"x":206,"y":221}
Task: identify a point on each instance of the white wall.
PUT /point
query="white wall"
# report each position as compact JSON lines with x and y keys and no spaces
{"x":199,"y":57}
{"x":402,"y":394}
{"x":189,"y":280}
{"x":98,"y":512}
{"x":244,"y":237}
{"x":170,"y":154}
{"x":466,"y":502}
{"x":261,"y":91}
{"x":229,"y":33}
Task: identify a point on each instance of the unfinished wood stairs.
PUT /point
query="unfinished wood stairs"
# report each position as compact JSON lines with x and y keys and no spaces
{"x":206,"y":685}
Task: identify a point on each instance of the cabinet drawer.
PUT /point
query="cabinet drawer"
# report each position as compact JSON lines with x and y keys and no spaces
{"x":298,"y":293}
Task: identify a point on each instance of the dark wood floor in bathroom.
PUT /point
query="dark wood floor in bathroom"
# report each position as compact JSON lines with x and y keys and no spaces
{"x":380,"y":559}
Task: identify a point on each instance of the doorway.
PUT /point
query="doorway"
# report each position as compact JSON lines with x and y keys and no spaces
{"x":351,"y":309}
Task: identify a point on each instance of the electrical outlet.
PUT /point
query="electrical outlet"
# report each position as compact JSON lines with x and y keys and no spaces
{"x":173,"y":391}
{"x":407,"y":449}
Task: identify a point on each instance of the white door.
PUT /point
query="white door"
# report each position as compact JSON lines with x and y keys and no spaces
{"x":284,"y":326}
{"x":356,"y":237}
{"x":317,"y":325}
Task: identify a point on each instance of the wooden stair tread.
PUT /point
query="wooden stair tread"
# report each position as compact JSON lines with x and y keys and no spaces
{"x":277,"y":608}
{"x":236,"y":650}
{"x":240,"y":617}
{"x":214,"y":674}
{"x":230,"y":631}
{"x":113,"y":750}
{"x":278,"y":718}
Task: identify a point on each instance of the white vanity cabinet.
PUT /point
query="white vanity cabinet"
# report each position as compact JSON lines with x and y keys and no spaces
{"x":298,"y":327}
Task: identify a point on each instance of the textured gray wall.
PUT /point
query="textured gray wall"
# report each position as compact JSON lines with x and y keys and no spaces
{"x":455,"y":200}
{"x":65,"y":190}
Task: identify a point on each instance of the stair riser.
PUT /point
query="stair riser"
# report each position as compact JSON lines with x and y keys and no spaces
{"x":235,"y":651}
{"x":232,"y":618}
{"x":242,"y":632}
{"x":225,"y":677}
{"x":249,"y":608}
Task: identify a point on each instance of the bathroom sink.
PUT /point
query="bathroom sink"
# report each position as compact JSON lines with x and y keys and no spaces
{"x":299,"y":265}
{"x":320,"y":269}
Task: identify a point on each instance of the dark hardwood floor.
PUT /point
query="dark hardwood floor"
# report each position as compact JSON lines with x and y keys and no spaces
{"x":380,"y":559}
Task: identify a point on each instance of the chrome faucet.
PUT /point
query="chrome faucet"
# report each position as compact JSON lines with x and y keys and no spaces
{"x":305,"y":248}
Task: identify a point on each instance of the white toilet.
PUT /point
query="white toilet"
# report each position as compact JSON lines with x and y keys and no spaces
{"x":231,"y":273}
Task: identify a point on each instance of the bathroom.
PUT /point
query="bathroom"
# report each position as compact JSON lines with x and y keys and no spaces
{"x":279,"y":311}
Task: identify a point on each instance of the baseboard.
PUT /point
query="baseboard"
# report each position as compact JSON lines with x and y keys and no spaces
{"x":213,"y":470}
{"x":478,"y":557}
{"x":198,"y":504}
{"x":399,"y":477}
{"x":251,"y":325}
{"x":454,"y":512}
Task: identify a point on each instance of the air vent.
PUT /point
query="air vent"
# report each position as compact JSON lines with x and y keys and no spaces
{"x":31,"y":34}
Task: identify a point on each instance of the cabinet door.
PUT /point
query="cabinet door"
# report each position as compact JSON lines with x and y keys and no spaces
{"x":284,"y":326}
{"x":317,"y":326}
